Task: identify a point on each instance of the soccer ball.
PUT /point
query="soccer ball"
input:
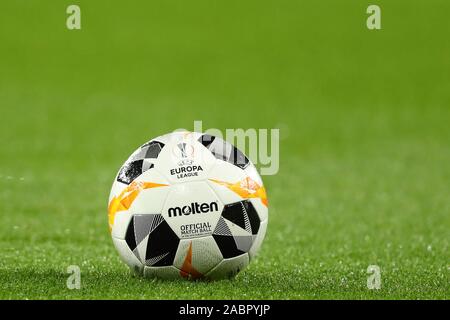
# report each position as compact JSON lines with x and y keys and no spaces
{"x":188,"y":205}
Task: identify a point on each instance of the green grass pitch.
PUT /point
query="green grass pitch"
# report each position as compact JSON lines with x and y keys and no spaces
{"x":365,"y":141}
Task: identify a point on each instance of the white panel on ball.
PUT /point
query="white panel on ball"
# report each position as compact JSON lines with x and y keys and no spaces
{"x":201,"y":255}
{"x":192,"y":210}
{"x":258,"y":240}
{"x":121,"y":222}
{"x":127,"y":255}
{"x":229,"y":268}
{"x":151,"y":200}
{"x":225,"y":173}
{"x":253,"y":174}
{"x":116,"y":189}
{"x":184,"y":159}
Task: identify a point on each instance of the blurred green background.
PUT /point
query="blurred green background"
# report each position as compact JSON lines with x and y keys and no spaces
{"x":364,"y":153}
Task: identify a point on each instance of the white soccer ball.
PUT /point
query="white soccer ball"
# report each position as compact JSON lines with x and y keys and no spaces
{"x":188,"y":205}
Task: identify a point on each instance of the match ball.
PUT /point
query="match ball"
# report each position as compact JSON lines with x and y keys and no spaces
{"x":188,"y":205}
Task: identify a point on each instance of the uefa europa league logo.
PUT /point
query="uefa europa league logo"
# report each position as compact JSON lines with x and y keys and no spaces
{"x":183,"y":151}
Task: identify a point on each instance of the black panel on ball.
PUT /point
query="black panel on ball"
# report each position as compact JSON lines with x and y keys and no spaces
{"x":224,"y":151}
{"x":244,"y":215}
{"x":235,"y":213}
{"x":130,"y":171}
{"x":163,"y":243}
{"x":153,"y":149}
{"x":227,"y":246}
{"x":253,"y":216}
{"x":238,"y":158}
{"x":206,"y":140}
{"x":129,"y":236}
